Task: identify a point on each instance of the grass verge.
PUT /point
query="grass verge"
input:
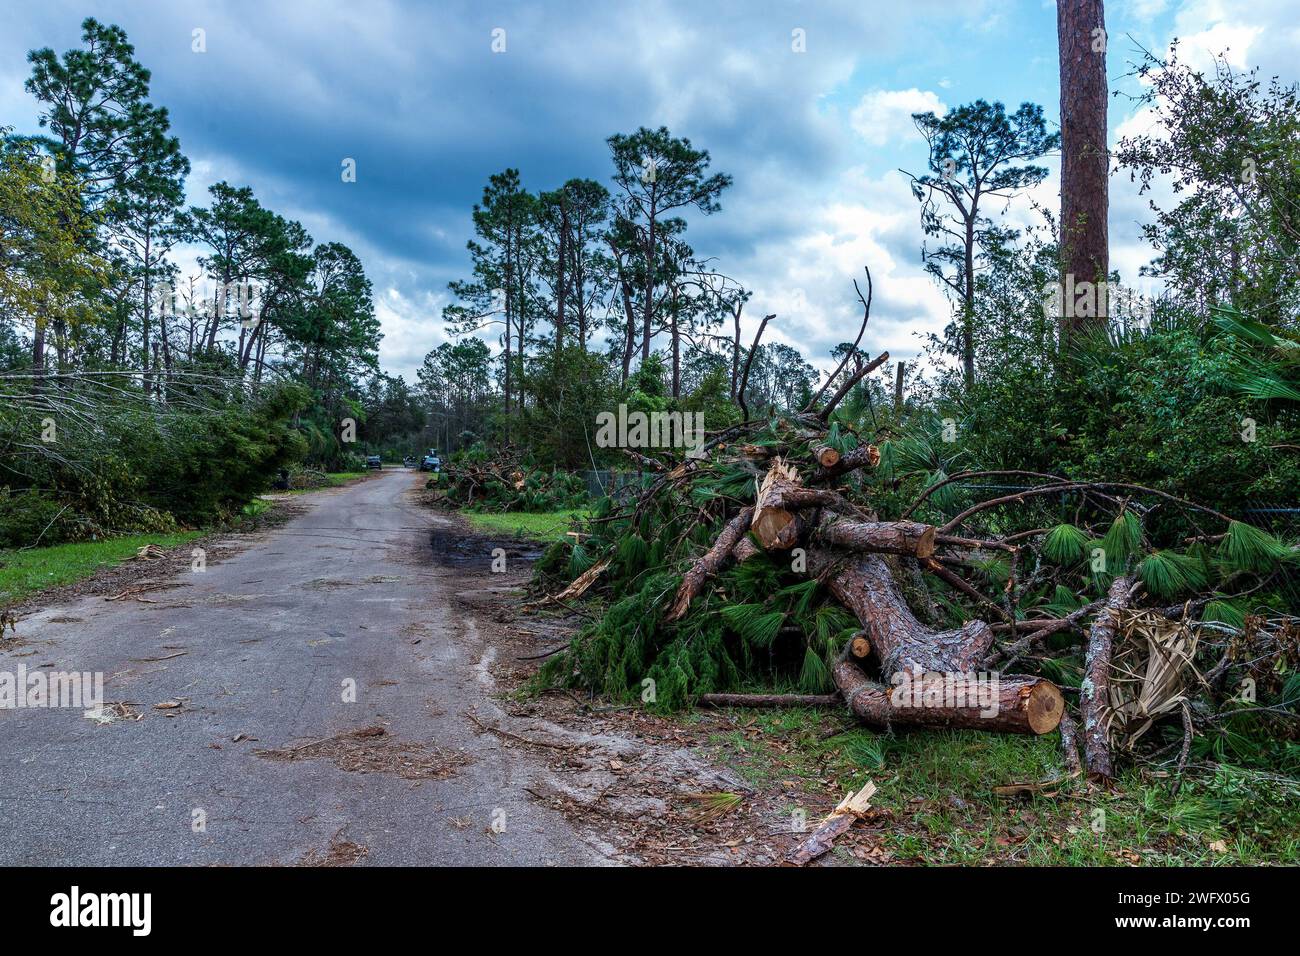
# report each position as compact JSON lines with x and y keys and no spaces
{"x":23,"y":573}
{"x":543,"y":525}
{"x":935,"y":791}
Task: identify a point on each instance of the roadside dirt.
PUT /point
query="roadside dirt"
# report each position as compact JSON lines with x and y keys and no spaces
{"x":659,"y":791}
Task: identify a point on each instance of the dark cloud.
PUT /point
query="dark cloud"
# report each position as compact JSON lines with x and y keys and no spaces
{"x":415,"y":95}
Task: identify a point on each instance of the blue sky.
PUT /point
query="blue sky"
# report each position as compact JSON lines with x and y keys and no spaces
{"x":414,"y":93}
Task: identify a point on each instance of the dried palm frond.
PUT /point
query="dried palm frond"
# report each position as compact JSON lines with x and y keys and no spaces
{"x":1151,"y":666}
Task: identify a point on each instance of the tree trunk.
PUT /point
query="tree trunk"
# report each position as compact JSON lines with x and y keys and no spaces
{"x":1018,"y":705}
{"x":1085,"y":161}
{"x":561,"y":279}
{"x":649,"y":283}
{"x":863,"y":584}
{"x":968,"y":304}
{"x":38,"y":349}
{"x":1094,"y":693}
{"x":735,"y":349}
{"x":677,"y":357}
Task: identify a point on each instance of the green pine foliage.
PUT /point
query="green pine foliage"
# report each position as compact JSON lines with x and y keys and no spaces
{"x":1168,"y":574}
{"x":1064,"y":544}
{"x":1247,"y":548}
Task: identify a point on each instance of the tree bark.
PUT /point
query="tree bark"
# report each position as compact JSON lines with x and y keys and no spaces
{"x":735,"y":349}
{"x":891,"y":537}
{"x":561,"y":287}
{"x":863,"y":584}
{"x":864,"y":456}
{"x":1094,"y":692}
{"x":1018,"y":705}
{"x":710,"y":563}
{"x":1085,"y":160}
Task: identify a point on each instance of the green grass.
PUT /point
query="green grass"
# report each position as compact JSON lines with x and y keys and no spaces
{"x":937,"y":787}
{"x":544,"y":525}
{"x":333,"y":479}
{"x":23,"y":573}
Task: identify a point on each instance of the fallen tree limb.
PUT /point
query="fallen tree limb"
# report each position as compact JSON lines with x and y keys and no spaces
{"x":853,"y":349}
{"x":891,"y":537}
{"x":709,"y":563}
{"x":864,"y":456}
{"x":1070,"y":744}
{"x":749,"y":360}
{"x":1094,"y":692}
{"x":851,"y":809}
{"x":852,"y":380}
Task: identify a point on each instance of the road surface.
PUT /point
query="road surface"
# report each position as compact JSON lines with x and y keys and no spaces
{"x":265,"y":761}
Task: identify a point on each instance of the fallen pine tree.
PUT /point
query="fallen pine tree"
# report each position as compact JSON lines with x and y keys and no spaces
{"x":763,"y":565}
{"x":506,"y":482}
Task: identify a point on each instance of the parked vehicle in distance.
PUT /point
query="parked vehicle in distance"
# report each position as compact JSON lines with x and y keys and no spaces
{"x":431,"y":463}
{"x":409,"y":461}
{"x":374,"y":461}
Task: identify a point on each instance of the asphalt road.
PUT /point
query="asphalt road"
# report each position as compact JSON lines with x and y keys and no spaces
{"x":266,"y":641}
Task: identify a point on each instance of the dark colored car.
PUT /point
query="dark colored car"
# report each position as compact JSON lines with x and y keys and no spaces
{"x":374,"y":461}
{"x":431,"y":463}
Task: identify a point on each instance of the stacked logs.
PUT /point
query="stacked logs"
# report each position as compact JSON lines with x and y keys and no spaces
{"x":896,"y":671}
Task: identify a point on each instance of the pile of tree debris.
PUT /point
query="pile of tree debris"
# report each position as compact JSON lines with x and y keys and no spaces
{"x":507,"y":483}
{"x":785,"y":549}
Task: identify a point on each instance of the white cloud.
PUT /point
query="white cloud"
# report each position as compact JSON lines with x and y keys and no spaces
{"x":885,"y":116}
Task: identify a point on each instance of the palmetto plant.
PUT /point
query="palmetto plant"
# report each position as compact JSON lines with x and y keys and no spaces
{"x":1266,"y":358}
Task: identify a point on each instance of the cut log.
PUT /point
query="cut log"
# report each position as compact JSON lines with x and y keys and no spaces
{"x":864,"y":456}
{"x":826,"y":456}
{"x":988,"y":701}
{"x":851,"y":809}
{"x":891,"y":537}
{"x":860,"y":647}
{"x":770,"y":700}
{"x":1094,"y":692}
{"x":709,"y":563}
